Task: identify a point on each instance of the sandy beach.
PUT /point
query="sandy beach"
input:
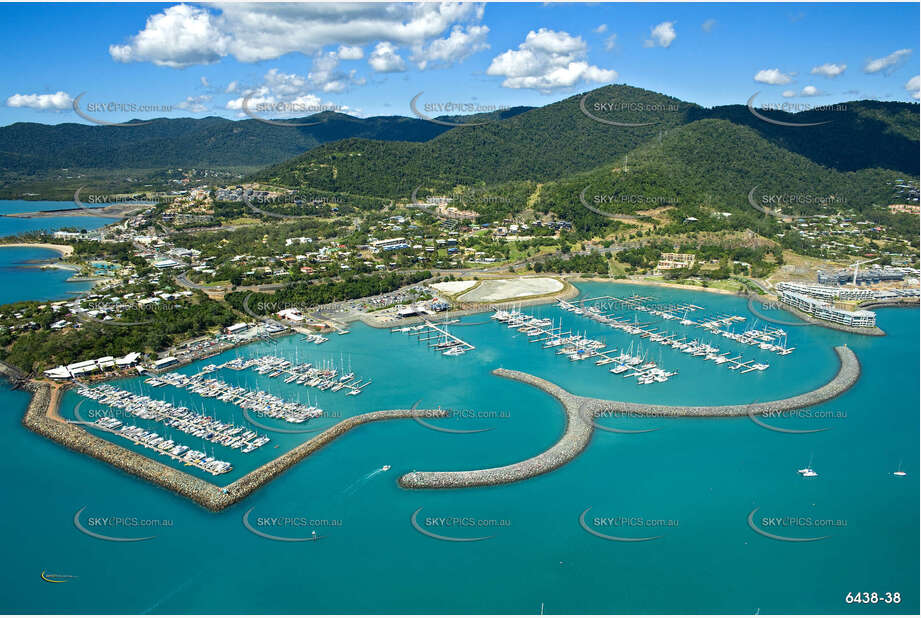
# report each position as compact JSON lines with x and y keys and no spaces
{"x":64,"y":250}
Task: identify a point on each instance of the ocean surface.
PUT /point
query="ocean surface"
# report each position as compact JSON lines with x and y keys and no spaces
{"x":21,"y":277}
{"x":690,"y":482}
{"x":10,"y":226}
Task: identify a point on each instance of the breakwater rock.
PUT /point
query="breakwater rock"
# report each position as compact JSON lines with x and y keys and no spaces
{"x":580,"y":423}
{"x":42,"y":409}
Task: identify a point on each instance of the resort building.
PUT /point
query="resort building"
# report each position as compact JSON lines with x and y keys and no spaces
{"x":82,"y":368}
{"x":866,"y":277}
{"x":390,"y":244}
{"x":829,"y":292}
{"x":826,"y":311}
{"x":670,"y":261}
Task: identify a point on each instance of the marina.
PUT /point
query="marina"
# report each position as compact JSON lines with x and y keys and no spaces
{"x":579,"y":347}
{"x":437,"y":337}
{"x":324,"y":377}
{"x":179,"y":418}
{"x":695,"y":348}
{"x":163,"y":446}
{"x":259,"y":401}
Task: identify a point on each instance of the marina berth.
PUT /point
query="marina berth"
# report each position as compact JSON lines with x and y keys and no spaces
{"x":577,"y":347}
{"x":179,"y":418}
{"x":258,"y":401}
{"x":437,"y":337}
{"x":324,"y":377}
{"x":766,"y":338}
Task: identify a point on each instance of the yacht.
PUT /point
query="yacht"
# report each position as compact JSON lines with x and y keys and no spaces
{"x":900,"y":472}
{"x":385,"y":468}
{"x":807,"y":471}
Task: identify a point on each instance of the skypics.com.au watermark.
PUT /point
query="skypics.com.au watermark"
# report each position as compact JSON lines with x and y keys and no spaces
{"x":475,"y":416}
{"x":260,"y":110}
{"x":790,"y":108}
{"x":94,"y":108}
{"x":454,"y":108}
{"x":767,"y":420}
{"x":112,"y":527}
{"x":592,"y":203}
{"x":617,"y":113}
{"x":101,"y":199}
{"x":625,"y":528}
{"x":457,"y":528}
{"x":271,"y":205}
{"x":289,"y":528}
{"x":795,"y":528}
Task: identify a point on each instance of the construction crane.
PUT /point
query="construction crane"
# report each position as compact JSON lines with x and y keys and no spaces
{"x":856,"y":266}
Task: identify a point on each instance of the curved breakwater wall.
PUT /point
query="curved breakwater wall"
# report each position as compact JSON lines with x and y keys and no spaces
{"x":38,"y":419}
{"x":575,"y":438}
{"x":580,"y":412}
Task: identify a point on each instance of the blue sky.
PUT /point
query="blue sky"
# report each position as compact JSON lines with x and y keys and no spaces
{"x":200,"y":60}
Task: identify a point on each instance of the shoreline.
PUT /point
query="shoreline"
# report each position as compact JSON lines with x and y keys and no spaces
{"x":63,"y":250}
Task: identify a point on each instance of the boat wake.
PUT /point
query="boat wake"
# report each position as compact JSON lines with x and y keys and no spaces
{"x":351,"y":489}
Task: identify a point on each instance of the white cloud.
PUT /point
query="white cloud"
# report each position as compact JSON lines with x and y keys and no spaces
{"x":231,"y":87}
{"x":204,"y":82}
{"x":462,"y":42}
{"x":775,"y":77}
{"x":327,"y":77}
{"x":811,"y":91}
{"x":661,"y":35}
{"x":180,"y":36}
{"x":546,"y":60}
{"x":184,"y":35}
{"x":914,"y":87}
{"x":385,"y":59}
{"x":347,"y":52}
{"x":601,"y":29}
{"x":289,"y":91}
{"x":886,"y":63}
{"x":829,"y":69}
{"x":58,"y":100}
{"x":707,"y":26}
{"x":788,"y":93}
{"x":611,"y":42}
{"x":195,"y":104}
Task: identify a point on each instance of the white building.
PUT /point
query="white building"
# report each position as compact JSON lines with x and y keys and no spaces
{"x":826,"y":311}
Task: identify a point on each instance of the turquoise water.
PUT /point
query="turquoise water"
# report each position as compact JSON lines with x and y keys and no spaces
{"x":22,"y":278}
{"x":10,"y":226}
{"x":708,"y":474}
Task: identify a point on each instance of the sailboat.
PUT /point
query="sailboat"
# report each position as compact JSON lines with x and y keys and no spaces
{"x":900,"y":472}
{"x":808,"y":471}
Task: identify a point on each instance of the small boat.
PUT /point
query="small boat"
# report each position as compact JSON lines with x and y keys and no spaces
{"x":900,"y":472}
{"x":807,"y":471}
{"x":385,"y":468}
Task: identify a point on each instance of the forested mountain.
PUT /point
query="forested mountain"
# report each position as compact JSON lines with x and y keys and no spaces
{"x":560,"y":139}
{"x":188,"y":142}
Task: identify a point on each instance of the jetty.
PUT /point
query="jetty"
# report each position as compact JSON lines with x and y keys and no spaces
{"x":581,"y":412}
{"x":437,"y":337}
